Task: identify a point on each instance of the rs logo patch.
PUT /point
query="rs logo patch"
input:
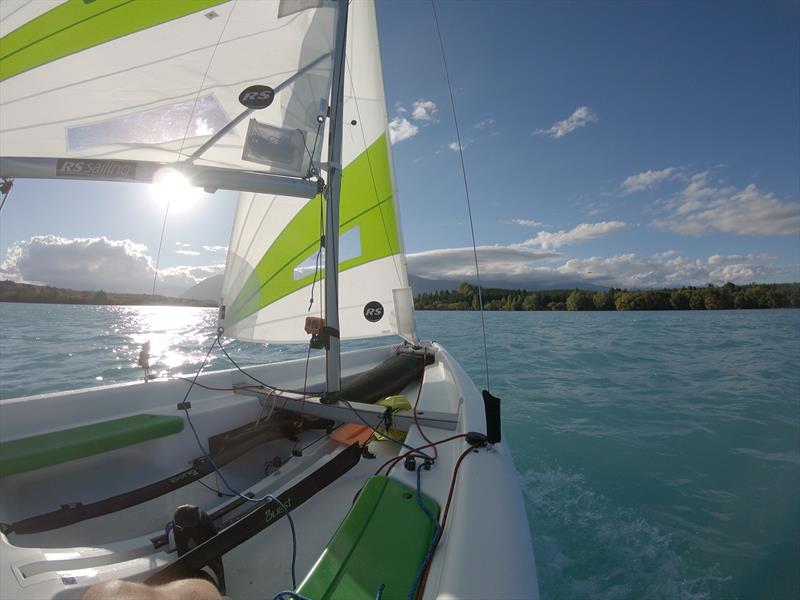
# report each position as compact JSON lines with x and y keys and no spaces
{"x":373,"y":311}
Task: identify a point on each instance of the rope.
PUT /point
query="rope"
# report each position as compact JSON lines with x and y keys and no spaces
{"x":160,"y":243}
{"x":384,"y":435}
{"x":437,"y":538}
{"x":416,"y":403}
{"x":412,"y":593}
{"x":217,"y":470}
{"x":258,"y":381}
{"x":466,"y":191}
{"x":205,"y":75}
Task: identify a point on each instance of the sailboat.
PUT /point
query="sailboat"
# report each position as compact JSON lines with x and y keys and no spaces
{"x":378,"y":472}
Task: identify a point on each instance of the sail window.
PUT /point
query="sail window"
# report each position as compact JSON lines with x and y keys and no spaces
{"x":350,"y":244}
{"x":349,"y":247}
{"x":154,"y":126}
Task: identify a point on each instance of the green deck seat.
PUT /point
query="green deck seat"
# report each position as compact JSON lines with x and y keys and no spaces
{"x":36,"y":452}
{"x":382,"y":540}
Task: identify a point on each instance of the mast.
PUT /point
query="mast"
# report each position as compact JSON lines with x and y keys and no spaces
{"x":332,"y":355}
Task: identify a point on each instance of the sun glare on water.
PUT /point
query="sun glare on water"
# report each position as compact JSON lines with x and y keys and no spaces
{"x":171,"y":187}
{"x":173,"y":334}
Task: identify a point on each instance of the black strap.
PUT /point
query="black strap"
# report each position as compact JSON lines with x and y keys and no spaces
{"x":74,"y":513}
{"x":259,"y":518}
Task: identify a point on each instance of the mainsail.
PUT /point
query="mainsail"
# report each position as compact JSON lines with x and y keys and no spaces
{"x":153,"y":81}
{"x":274,"y":263}
{"x":117,"y":89}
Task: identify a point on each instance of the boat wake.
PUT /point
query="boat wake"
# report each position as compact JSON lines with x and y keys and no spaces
{"x":588,"y":547}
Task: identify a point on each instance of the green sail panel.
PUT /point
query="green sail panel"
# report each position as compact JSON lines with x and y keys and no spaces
{"x":78,"y":25}
{"x":367,"y":203}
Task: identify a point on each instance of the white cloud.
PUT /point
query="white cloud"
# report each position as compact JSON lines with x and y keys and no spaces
{"x":581,"y":233}
{"x":703,"y":208}
{"x":646,"y":180}
{"x":535,"y":269}
{"x":183,"y":244}
{"x":424,"y":110}
{"x":401,"y":129}
{"x":670,"y":269}
{"x":188,"y":252}
{"x":96,"y":263}
{"x":508,"y":262}
{"x":483,"y":124}
{"x":581,"y":117}
{"x":527,"y":222}
{"x":215,"y":248}
{"x":455,"y":147}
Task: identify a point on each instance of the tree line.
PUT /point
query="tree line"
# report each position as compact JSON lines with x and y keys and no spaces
{"x":711,"y":297}
{"x":11,"y":291}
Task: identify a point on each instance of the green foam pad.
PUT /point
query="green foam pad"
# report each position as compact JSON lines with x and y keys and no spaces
{"x":36,"y":452}
{"x":382,"y":541}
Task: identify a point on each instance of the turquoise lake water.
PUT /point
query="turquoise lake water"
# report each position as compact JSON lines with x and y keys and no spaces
{"x":659,"y":452}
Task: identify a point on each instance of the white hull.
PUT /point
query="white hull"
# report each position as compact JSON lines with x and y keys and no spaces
{"x":485,"y":551}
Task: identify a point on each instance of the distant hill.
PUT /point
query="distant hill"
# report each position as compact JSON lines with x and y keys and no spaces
{"x":208,"y":290}
{"x":422,"y":285}
{"x":11,"y":291}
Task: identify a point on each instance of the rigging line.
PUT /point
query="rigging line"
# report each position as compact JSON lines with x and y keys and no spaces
{"x":5,"y":189}
{"x":303,"y":399}
{"x":266,"y":385}
{"x":466,"y":191}
{"x":372,"y":175}
{"x":312,"y":169}
{"x":160,"y":243}
{"x":268,"y":497}
{"x":317,"y":262}
{"x":203,"y":81}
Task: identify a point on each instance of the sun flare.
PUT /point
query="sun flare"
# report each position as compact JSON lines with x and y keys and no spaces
{"x":171,"y":187}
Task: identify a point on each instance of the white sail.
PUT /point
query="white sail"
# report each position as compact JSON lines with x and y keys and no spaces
{"x":136,"y":80}
{"x":153,"y":81}
{"x":272,"y":266}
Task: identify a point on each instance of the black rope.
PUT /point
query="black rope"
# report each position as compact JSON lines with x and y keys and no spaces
{"x":266,"y":385}
{"x":466,"y":191}
{"x":317,"y":263}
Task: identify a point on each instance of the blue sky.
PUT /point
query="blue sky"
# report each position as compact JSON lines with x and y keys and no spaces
{"x":618,"y":143}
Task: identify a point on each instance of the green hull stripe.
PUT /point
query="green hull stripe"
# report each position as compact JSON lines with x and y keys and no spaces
{"x":367,"y":203}
{"x":77,"y":25}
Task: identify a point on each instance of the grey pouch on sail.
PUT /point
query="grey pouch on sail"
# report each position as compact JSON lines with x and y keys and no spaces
{"x":274,"y":146}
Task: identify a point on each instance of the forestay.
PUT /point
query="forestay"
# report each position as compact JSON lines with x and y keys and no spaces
{"x":273,"y":268}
